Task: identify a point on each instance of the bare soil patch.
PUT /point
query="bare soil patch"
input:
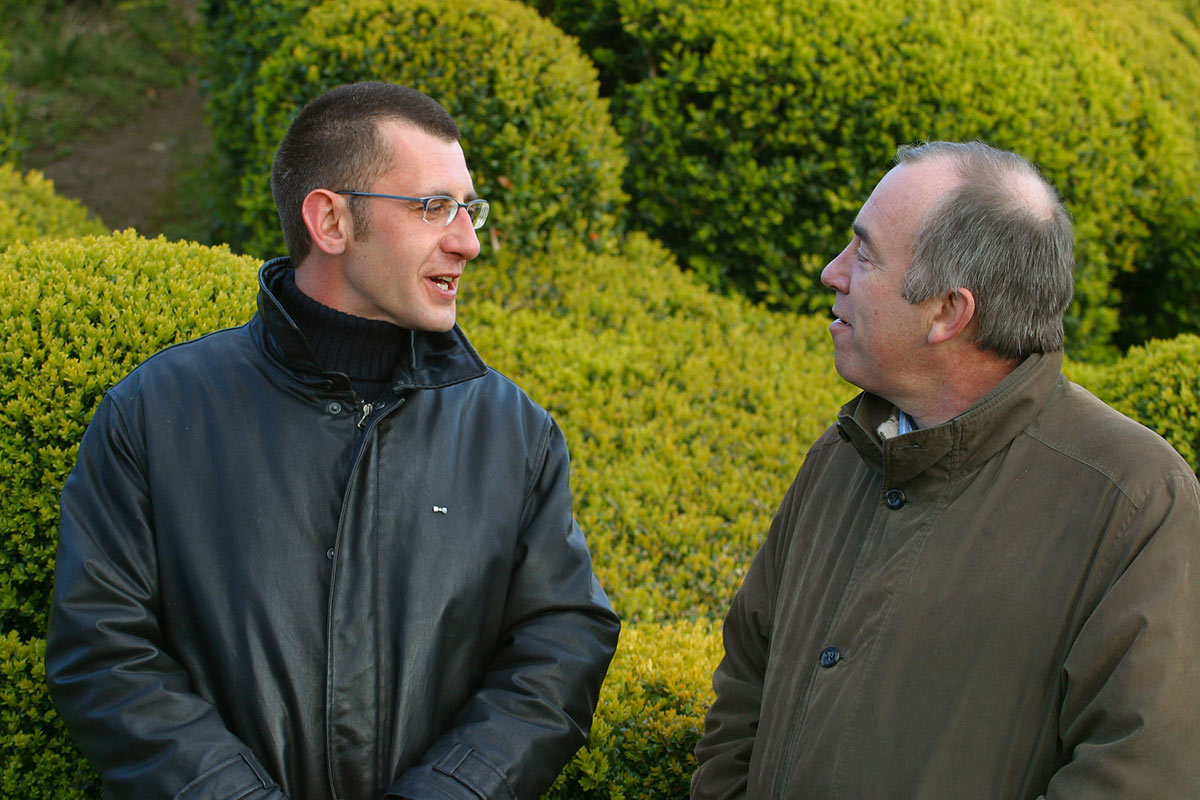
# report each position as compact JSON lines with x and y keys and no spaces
{"x":129,"y":176}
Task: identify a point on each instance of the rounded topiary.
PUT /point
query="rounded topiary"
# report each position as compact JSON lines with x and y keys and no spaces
{"x":1157,"y":384}
{"x":687,"y":413}
{"x":76,"y":315}
{"x":1159,"y":48}
{"x":762,"y":128}
{"x":29,"y":209}
{"x":536,"y":135}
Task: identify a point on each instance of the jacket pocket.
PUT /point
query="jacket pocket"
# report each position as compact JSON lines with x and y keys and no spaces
{"x":472,"y":770}
{"x":229,"y":780}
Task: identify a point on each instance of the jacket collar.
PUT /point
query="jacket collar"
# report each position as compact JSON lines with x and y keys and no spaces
{"x":963,"y":443}
{"x":433,"y":359}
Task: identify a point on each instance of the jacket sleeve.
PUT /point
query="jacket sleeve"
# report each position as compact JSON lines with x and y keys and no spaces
{"x":1132,"y":676}
{"x":534,"y":705}
{"x":123,"y":698}
{"x":724,"y":750}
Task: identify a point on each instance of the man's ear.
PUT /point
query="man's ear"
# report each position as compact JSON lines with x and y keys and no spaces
{"x":952,"y":315}
{"x":327,"y":218}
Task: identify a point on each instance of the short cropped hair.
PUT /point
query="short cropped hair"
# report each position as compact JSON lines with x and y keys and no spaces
{"x":335,"y":143}
{"x":1005,"y":235}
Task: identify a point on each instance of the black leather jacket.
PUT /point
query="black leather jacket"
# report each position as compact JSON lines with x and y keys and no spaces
{"x":265,"y":589}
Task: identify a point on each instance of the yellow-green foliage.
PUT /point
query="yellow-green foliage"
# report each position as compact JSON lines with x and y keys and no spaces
{"x":75,"y":316}
{"x":687,"y":413}
{"x":651,"y":714}
{"x":536,"y":134}
{"x":1160,"y":49}
{"x":37,"y":759}
{"x":755,"y":130}
{"x":30,"y":209}
{"x":1158,"y":385}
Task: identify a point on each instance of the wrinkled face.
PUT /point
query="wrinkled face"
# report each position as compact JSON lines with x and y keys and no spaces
{"x":879,"y":338}
{"x":406,"y":271}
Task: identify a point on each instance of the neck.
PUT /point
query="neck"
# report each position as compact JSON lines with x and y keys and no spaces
{"x":959,"y":386}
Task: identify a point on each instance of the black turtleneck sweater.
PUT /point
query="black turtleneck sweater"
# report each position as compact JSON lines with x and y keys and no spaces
{"x":364,"y":350}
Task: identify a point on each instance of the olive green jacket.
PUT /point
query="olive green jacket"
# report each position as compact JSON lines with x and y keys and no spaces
{"x":1003,"y":606}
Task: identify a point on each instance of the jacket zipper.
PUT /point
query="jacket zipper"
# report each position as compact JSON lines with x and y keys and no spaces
{"x":366,"y":409}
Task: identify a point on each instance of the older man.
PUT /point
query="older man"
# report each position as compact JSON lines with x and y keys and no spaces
{"x":982,"y":583}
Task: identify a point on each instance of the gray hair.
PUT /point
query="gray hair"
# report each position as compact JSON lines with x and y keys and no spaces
{"x":1005,"y":235}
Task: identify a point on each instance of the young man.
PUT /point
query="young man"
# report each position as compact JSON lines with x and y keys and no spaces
{"x":982,"y":583}
{"x":330,"y":553}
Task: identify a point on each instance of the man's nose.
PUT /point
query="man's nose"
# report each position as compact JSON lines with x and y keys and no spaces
{"x":461,"y":238}
{"x":834,"y":275}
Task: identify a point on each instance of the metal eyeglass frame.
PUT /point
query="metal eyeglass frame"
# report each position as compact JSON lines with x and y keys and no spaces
{"x":424,"y":201}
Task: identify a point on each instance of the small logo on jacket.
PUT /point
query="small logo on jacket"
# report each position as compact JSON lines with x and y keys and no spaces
{"x":439,"y":509}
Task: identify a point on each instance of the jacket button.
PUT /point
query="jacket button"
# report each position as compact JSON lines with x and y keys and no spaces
{"x":830,"y":656}
{"x":894,"y":498}
{"x":845,"y":437}
{"x":329,"y":554}
{"x":334,"y":407}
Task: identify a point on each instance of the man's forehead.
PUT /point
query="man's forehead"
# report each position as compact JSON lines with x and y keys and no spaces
{"x":905,"y":195}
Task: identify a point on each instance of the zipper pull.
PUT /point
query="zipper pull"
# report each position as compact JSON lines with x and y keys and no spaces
{"x":366,"y":413}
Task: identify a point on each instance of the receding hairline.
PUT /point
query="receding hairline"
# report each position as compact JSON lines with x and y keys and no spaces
{"x":1012,"y":177}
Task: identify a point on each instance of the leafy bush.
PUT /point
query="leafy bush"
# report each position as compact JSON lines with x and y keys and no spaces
{"x":29,"y":209}
{"x":755,"y":131}
{"x":37,"y":758}
{"x":75,"y":316}
{"x":1157,"y":384}
{"x":687,"y":413}
{"x":536,"y":134}
{"x":650,"y":716}
{"x":239,"y":34}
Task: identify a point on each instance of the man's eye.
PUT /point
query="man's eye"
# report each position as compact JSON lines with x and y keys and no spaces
{"x":437,"y":205}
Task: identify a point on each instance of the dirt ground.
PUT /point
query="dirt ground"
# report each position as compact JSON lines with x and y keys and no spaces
{"x":128,"y":175}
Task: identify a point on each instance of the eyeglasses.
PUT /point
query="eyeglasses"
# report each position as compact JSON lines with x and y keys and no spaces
{"x":437,"y":209}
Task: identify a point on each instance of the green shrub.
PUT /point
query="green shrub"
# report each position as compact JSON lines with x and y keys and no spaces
{"x":1160,"y":49}
{"x":30,"y":209}
{"x":239,"y":34}
{"x":1158,"y":385}
{"x":537,"y":136}
{"x":650,"y":716}
{"x":76,"y":316}
{"x":760,"y":128}
{"x":37,"y":758}
{"x":687,"y":413}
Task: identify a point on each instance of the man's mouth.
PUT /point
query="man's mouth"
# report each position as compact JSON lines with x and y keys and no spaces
{"x":445,"y":282}
{"x":839,"y":321}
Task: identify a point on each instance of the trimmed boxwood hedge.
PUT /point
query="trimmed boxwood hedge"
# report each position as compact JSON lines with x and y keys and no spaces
{"x":29,"y":209}
{"x":687,"y":415}
{"x":75,"y":316}
{"x":537,"y":136}
{"x":1157,"y":384}
{"x":756,"y":130}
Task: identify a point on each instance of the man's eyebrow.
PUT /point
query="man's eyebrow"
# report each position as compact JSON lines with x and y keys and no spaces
{"x":861,"y":233}
{"x":471,"y":195}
